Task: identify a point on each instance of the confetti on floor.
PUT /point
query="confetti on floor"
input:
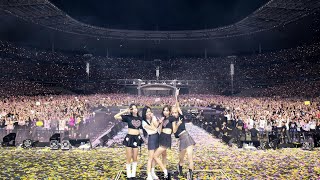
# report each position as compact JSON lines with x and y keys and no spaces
{"x":213,"y":160}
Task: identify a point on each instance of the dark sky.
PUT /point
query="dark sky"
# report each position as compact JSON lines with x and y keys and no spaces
{"x":159,"y":14}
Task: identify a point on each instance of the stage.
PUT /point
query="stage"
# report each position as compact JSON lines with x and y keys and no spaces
{"x":213,"y":160}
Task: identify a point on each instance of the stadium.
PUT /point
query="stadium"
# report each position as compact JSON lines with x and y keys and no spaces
{"x":159,"y":89}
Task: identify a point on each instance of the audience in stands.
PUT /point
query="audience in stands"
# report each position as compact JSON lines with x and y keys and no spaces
{"x":284,"y":73}
{"x":278,"y":82}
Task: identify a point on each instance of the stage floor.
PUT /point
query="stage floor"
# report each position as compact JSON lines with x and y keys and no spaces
{"x":197,"y":174}
{"x":213,"y":160}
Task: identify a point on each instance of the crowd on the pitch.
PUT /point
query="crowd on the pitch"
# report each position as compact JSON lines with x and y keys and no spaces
{"x":70,"y":109}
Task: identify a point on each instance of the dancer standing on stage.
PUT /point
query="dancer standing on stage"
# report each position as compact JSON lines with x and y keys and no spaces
{"x":186,"y":142}
{"x":150,"y":124}
{"x":133,"y":140}
{"x":167,"y":123}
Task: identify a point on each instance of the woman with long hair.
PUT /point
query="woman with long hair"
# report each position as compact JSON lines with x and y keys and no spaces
{"x":133,"y":140}
{"x":186,"y":142}
{"x":150,"y":125}
{"x":166,"y":126}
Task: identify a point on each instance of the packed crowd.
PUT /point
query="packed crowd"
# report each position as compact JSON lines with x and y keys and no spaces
{"x":299,"y":63}
{"x":284,"y":68}
{"x":283,"y":74}
{"x":48,"y":112}
{"x":19,"y":87}
{"x":70,"y":109}
{"x":264,"y":114}
{"x":30,"y":64}
{"x":302,"y":89}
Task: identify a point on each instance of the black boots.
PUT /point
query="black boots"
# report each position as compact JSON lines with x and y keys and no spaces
{"x":190,"y":175}
{"x":179,"y":168}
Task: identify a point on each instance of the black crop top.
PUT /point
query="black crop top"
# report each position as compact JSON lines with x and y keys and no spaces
{"x":133,"y":122}
{"x":181,"y":127}
{"x":167,"y":122}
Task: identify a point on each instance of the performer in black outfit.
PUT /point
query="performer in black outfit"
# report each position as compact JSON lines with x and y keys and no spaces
{"x":186,"y":142}
{"x":133,"y":140}
{"x":150,"y":124}
{"x":167,"y":125}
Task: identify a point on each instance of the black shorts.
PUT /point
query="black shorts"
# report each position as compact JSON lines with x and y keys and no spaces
{"x":133,"y":141}
{"x":165,"y":140}
{"x":153,"y":141}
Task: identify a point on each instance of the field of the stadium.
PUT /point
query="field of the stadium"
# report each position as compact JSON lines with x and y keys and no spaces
{"x":213,"y":160}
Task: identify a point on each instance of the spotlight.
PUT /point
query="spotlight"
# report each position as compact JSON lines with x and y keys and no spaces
{"x":65,"y":145}
{"x":27,"y":143}
{"x":54,"y":145}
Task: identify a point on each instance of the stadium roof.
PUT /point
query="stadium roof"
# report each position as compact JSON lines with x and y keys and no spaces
{"x":159,"y":15}
{"x":273,"y":14}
